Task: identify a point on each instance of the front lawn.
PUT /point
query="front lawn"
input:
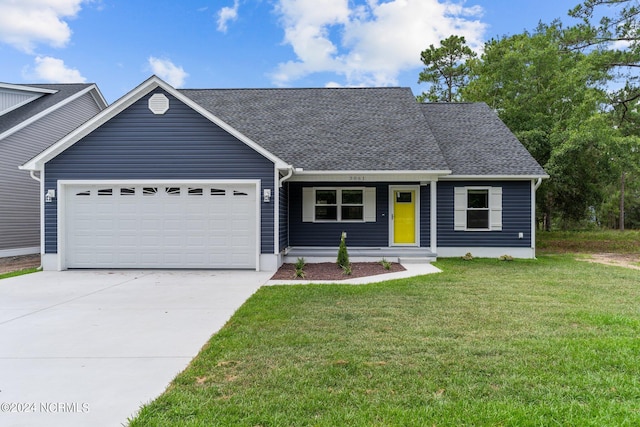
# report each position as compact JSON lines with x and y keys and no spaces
{"x":547,"y":342}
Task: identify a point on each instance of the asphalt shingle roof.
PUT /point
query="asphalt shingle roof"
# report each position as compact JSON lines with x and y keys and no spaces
{"x":327,"y":129}
{"x":19,"y":115}
{"x":475,"y":141}
{"x":373,"y":129}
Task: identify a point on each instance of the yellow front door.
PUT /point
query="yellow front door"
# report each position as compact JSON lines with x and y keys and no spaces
{"x":404,"y":217}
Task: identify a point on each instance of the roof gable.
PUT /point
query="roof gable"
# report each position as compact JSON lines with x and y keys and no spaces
{"x":120,"y":105}
{"x":331,"y":129}
{"x":39,"y":101}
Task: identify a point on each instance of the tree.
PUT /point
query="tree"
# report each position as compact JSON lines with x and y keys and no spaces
{"x":548,"y":96}
{"x":446,"y":69}
{"x":616,"y":36}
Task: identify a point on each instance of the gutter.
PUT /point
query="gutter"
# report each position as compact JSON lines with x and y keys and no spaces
{"x":286,"y":177}
{"x":538,"y":183}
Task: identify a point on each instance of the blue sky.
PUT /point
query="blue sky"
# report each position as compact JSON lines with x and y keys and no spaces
{"x":246,"y":43}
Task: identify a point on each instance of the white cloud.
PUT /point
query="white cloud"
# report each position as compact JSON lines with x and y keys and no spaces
{"x":23,"y":24}
{"x":168,"y":71}
{"x":227,"y":14}
{"x":369,"y":42}
{"x":53,"y":70}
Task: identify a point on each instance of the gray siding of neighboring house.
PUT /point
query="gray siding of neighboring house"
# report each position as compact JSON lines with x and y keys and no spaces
{"x":19,"y":193}
{"x":181,"y":144}
{"x":516,"y":216}
{"x":367,"y":234}
{"x":10,"y":98}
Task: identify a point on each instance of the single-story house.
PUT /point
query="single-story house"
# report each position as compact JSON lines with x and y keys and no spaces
{"x":32,"y":117}
{"x":246,"y":178}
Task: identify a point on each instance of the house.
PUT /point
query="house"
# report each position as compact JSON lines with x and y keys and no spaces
{"x":32,"y":117}
{"x":246,"y":178}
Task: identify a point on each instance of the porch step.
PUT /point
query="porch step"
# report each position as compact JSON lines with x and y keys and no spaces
{"x":358,"y":254}
{"x":417,"y":260}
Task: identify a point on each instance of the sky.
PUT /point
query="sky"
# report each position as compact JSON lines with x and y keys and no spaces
{"x":117,"y":44}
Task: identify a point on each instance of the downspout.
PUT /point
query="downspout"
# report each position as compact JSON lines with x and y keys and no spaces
{"x":280,"y":182}
{"x":286,"y":177}
{"x":538,"y":183}
{"x":33,"y":175}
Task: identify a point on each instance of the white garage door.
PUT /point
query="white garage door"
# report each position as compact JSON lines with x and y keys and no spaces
{"x":160,"y":226}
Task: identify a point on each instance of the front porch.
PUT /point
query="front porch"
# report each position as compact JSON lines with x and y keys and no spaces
{"x":406,"y":254}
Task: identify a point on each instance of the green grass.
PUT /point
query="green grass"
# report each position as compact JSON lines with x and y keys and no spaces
{"x":612,"y":241}
{"x":531,"y":343}
{"x":19,"y":272}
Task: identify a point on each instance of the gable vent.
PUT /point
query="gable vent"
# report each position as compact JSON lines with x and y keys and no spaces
{"x":158,"y":103}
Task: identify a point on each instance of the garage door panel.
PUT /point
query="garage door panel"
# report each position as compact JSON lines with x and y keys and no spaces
{"x":161,"y":226}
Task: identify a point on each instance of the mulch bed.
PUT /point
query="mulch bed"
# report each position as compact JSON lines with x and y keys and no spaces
{"x":331,"y":271}
{"x":15,"y":263}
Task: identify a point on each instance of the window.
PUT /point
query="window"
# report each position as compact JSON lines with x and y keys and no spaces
{"x":478,"y":208}
{"x":352,"y":208}
{"x":339,"y":204}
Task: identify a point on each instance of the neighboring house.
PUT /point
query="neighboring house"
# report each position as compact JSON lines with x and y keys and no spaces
{"x":32,"y":117}
{"x":228,"y":178}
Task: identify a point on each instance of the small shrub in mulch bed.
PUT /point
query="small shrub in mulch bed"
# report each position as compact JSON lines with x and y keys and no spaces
{"x":330,"y":271}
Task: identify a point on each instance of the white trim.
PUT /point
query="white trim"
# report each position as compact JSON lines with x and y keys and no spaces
{"x":486,"y":252}
{"x":146,"y":87}
{"x":309,"y":203}
{"x":416,"y":190}
{"x":23,"y":88}
{"x":19,"y":251}
{"x":275,"y":199}
{"x":362,"y":176}
{"x":48,"y":111}
{"x":492,"y":177}
{"x":42,"y":205}
{"x":434,"y":216}
{"x":64,"y":183}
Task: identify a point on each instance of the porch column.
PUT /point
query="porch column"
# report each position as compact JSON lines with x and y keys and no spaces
{"x":434,"y":217}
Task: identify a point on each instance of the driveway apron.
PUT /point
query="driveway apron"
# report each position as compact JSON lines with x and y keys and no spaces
{"x":89,"y":347}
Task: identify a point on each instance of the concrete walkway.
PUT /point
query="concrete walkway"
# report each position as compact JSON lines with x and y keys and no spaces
{"x":88,"y":348}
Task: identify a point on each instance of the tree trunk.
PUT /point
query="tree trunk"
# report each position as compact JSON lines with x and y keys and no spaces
{"x":622,"y":201}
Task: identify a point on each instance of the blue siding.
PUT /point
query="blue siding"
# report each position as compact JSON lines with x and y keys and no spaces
{"x":365,"y":234}
{"x":368,"y":234}
{"x":516,"y":216}
{"x":181,"y":144}
{"x":425,"y":216}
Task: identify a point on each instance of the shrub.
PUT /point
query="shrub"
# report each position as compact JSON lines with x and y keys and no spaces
{"x":506,"y":258}
{"x":347,"y":269}
{"x":343,"y":254}
{"x":300,"y":263}
{"x":467,"y":256}
{"x":385,"y":264}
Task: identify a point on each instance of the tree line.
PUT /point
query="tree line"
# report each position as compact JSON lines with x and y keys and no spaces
{"x":571,"y":94}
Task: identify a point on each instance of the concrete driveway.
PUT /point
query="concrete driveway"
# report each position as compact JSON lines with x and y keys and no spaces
{"x":88,"y":348}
